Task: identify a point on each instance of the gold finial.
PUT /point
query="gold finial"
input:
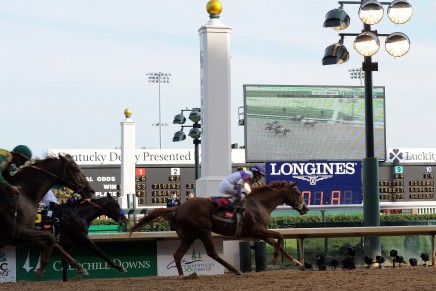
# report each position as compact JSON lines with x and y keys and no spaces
{"x":214,"y":8}
{"x":127,"y":112}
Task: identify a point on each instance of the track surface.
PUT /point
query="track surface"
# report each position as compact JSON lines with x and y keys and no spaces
{"x":399,"y":278}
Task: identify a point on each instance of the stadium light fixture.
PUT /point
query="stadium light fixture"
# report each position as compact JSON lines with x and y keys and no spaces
{"x":400,"y":11}
{"x":397,"y":44}
{"x":367,"y":44}
{"x":179,"y":119}
{"x":179,"y":136}
{"x":371,"y":12}
{"x":336,"y":53}
{"x":194,"y":133}
{"x":159,"y":77}
{"x":337,"y":19}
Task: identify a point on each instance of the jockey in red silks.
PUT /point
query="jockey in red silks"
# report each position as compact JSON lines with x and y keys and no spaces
{"x":235,"y":183}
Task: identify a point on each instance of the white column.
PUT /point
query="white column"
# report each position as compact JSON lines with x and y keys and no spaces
{"x":215,"y":102}
{"x":127,"y":159}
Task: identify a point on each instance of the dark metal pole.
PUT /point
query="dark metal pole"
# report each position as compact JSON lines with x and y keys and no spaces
{"x":371,"y":199}
{"x":197,"y":159}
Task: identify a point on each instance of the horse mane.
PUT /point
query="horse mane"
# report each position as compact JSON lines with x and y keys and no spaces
{"x":44,"y":158}
{"x":274,"y":184}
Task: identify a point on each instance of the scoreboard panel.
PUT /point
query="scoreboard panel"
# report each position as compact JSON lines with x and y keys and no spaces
{"x":104,"y":179}
{"x":406,"y":182}
{"x":398,"y":182}
{"x":153,"y":185}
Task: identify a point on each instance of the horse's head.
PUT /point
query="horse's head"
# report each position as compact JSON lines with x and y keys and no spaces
{"x":111,"y":208}
{"x":295,"y":199}
{"x":75,"y":177}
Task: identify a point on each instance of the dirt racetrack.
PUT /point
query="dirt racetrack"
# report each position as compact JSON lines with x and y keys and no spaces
{"x":399,"y":278}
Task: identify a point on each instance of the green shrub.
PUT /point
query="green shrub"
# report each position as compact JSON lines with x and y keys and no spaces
{"x":292,"y":221}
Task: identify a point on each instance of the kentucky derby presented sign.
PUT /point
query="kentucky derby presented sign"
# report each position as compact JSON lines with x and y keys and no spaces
{"x":321,"y":182}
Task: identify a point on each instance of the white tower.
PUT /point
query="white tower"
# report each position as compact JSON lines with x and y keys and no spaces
{"x":215,"y":102}
{"x":127,"y":158}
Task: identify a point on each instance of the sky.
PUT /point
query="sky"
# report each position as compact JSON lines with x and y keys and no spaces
{"x":68,"y":69}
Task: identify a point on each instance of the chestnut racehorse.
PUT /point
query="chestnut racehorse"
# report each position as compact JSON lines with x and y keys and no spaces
{"x":18,"y":212}
{"x":194,"y":219}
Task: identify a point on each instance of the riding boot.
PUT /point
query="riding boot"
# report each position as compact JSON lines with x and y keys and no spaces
{"x":50,"y":218}
{"x":237,"y":204}
{"x":53,"y":208}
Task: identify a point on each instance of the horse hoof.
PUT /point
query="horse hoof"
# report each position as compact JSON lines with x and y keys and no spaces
{"x":77,"y":278}
{"x":39,"y":273}
{"x":82,"y":272}
{"x":191,"y":276}
{"x":123,"y":270}
{"x":239,"y":273}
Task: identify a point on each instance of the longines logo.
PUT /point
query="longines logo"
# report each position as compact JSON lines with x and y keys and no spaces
{"x":313,"y":172}
{"x":313,"y":179}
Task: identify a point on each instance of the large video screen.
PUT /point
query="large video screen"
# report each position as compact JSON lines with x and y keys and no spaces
{"x":310,"y":123}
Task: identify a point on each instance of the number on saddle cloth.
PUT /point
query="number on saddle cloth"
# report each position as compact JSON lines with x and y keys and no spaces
{"x":221,"y":203}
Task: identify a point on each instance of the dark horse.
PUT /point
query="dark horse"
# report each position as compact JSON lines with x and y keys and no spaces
{"x":75,"y":222}
{"x":17,"y":213}
{"x":194,"y":219}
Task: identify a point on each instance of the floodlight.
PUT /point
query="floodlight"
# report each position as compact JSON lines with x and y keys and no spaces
{"x":195,"y":133}
{"x":366,"y":44}
{"x":335,"y":54}
{"x":371,"y":12}
{"x":397,"y":44}
{"x":337,"y":19}
{"x":179,"y":136}
{"x":195,"y":116}
{"x":400,"y":11}
{"x":179,"y":119}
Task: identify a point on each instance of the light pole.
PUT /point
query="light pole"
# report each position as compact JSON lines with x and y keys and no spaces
{"x":194,"y":133}
{"x":367,"y":44}
{"x":159,"y":78}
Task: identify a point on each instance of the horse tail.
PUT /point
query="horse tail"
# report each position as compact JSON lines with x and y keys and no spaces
{"x":165,"y":213}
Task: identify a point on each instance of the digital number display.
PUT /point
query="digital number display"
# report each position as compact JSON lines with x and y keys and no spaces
{"x":141,"y":185}
{"x":406,"y":182}
{"x":154,"y":185}
{"x":321,"y":182}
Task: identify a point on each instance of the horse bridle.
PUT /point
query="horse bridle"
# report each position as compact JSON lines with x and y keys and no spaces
{"x":297,"y":206}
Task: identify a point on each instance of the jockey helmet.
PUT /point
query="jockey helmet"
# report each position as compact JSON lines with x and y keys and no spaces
{"x":23,"y":151}
{"x":260,"y":169}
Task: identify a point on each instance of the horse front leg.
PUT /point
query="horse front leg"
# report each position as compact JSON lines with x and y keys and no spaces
{"x":268,"y":236}
{"x":86,"y":241}
{"x":206,"y":238}
{"x":71,"y":261}
{"x":45,"y":257}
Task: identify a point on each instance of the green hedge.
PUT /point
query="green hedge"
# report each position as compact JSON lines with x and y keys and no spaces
{"x":293,"y":221}
{"x":299,"y":221}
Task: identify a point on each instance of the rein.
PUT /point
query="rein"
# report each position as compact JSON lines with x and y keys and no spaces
{"x":81,"y":187}
{"x":101,"y":208}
